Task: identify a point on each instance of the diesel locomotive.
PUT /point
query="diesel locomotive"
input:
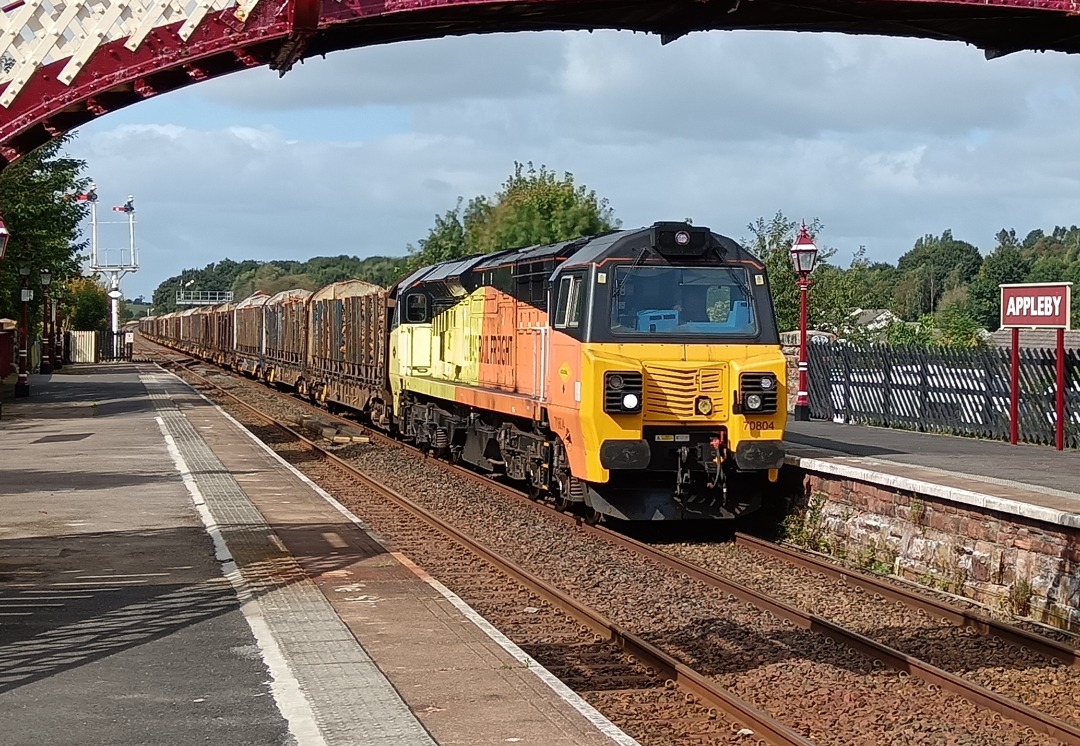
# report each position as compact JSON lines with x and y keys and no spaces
{"x":636,"y":374}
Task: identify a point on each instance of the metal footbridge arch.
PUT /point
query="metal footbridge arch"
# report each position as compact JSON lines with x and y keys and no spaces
{"x":66,"y":62}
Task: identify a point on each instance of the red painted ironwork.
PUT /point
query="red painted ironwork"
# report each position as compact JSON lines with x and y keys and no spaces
{"x":1059,"y":435}
{"x":1014,"y":388}
{"x":178,"y":53}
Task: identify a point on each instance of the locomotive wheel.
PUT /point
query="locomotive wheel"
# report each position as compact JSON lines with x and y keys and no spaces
{"x":593,"y":516}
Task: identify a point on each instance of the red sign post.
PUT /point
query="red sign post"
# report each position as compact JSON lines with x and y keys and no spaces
{"x":1037,"y":306}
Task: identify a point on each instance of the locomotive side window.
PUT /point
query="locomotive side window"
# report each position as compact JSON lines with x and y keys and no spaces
{"x":416,"y":308}
{"x":568,"y":306}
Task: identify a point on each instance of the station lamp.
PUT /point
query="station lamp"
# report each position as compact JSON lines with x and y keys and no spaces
{"x":803,"y":258}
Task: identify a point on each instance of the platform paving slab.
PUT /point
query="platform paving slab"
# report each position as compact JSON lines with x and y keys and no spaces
{"x":461,"y":685}
{"x":116,"y":624}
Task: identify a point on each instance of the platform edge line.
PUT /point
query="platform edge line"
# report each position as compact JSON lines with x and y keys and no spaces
{"x":952,"y":494}
{"x":291,"y":702}
{"x":565,"y":693}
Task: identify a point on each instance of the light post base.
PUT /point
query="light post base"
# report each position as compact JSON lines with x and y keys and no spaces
{"x":45,"y":368}
{"x":22,"y":389}
{"x":802,"y":412}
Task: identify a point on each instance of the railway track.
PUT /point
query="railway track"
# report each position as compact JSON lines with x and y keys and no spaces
{"x":792,"y":617}
{"x":743,"y":719}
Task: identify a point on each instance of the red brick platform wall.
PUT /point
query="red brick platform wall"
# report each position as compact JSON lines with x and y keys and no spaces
{"x":1013,"y":564}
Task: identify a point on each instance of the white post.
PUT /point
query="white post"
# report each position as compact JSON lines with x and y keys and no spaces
{"x":93,"y":234}
{"x":114,"y":300}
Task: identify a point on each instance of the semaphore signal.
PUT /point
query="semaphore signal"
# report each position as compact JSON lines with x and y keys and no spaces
{"x":112,"y":263}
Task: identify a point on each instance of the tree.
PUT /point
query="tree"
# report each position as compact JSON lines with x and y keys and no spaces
{"x":445,"y":240}
{"x":244,"y":278}
{"x":536,"y":207}
{"x":771,"y":242}
{"x":1004,"y":265}
{"x":934,"y":265}
{"x":88,"y":305}
{"x":35,"y":195}
{"x":532,"y":207}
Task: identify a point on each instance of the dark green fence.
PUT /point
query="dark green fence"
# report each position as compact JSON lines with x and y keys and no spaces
{"x":959,"y":392}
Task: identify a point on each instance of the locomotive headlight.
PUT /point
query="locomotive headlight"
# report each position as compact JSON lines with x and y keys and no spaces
{"x":704,"y":406}
{"x":623,"y":392}
{"x":767,"y":383}
{"x":753,"y":402}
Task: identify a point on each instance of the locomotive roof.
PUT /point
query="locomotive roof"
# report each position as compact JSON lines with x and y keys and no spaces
{"x":582,"y":251}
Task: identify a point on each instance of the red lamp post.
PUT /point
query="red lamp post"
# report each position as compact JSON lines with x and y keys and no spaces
{"x":22,"y":385}
{"x":46,"y":333}
{"x":803,"y":257}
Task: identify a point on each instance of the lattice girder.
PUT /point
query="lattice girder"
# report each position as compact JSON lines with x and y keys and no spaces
{"x":64,"y":62}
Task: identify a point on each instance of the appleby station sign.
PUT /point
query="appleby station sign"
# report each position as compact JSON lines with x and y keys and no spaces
{"x":1043,"y":306}
{"x":1037,"y":306}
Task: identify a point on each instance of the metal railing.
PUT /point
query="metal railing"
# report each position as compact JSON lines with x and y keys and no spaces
{"x":203,"y":297}
{"x":957,"y":392}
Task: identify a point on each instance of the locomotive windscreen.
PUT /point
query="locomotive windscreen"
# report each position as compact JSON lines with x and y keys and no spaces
{"x":679,"y":301}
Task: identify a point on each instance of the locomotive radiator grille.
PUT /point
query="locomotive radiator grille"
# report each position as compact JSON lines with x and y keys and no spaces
{"x":672,"y":393}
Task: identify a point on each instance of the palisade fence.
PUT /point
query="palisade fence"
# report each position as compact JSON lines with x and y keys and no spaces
{"x":97,"y":347}
{"x":958,"y":392}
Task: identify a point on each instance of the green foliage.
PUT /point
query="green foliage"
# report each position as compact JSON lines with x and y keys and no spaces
{"x":943,"y":288}
{"x":955,"y":327}
{"x":532,"y":207}
{"x":244,"y":278}
{"x":935,"y":265}
{"x":88,"y":305}
{"x":43,"y":221}
{"x":834,"y":293}
{"x":1006,"y":264}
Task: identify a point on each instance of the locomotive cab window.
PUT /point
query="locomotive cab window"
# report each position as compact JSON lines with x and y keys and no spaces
{"x":680,"y":301}
{"x":569,"y":303}
{"x":416,"y":308}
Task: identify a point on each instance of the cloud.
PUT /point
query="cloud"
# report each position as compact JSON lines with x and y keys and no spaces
{"x":882,"y":139}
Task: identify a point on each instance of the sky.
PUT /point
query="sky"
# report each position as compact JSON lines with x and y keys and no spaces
{"x":882,"y":140}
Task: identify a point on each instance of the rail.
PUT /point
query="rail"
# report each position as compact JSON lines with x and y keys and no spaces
{"x":682,"y":675}
{"x":891,"y":657}
{"x":1054,"y":651}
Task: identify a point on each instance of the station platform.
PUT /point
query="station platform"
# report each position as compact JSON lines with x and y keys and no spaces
{"x":1035,"y":482}
{"x":166,"y":579}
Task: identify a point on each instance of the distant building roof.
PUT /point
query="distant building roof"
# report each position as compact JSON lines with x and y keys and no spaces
{"x":873,"y":318}
{"x":1036,"y":338}
{"x":791,"y":339}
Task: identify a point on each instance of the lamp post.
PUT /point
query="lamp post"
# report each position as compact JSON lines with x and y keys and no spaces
{"x":46,"y":333}
{"x":22,"y":385}
{"x":803,"y":257}
{"x":4,"y":236}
